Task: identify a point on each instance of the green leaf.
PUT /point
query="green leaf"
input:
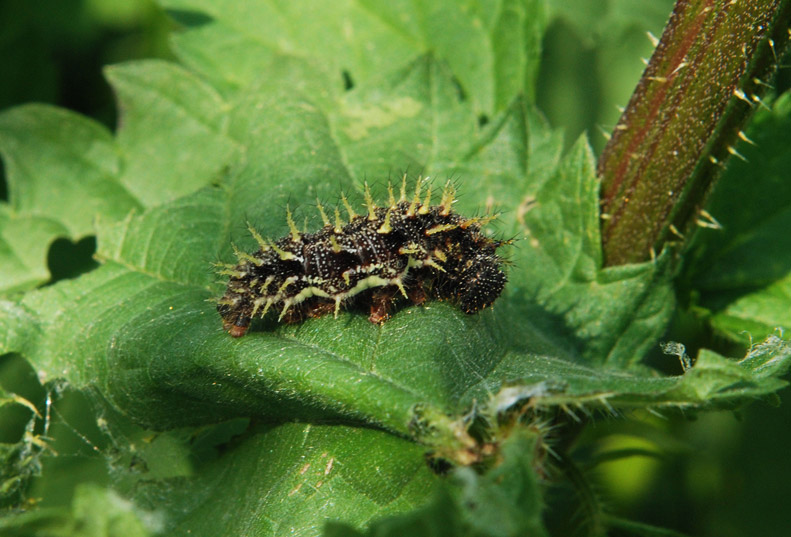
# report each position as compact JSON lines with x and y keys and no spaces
{"x":504,"y":500}
{"x":492,"y":46}
{"x":95,"y":512}
{"x":742,"y":270}
{"x":62,"y":171}
{"x":294,"y":476}
{"x":61,"y":166}
{"x":342,"y":411}
{"x":715,"y":379}
{"x":440,"y":518}
{"x":755,"y":314}
{"x":615,"y":314}
{"x":140,"y":328}
{"x":713,"y":382}
{"x":24,"y":242}
{"x":160,"y":104}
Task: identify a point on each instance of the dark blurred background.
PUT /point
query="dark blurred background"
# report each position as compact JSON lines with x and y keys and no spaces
{"x":720,"y":474}
{"x":53,"y":50}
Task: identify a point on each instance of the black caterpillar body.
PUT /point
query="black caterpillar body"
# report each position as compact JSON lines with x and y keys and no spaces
{"x":409,"y":249}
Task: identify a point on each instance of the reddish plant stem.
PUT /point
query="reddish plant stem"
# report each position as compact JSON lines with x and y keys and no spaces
{"x":700,"y":87}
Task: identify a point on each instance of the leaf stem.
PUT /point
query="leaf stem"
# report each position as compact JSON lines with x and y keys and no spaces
{"x":704,"y":79}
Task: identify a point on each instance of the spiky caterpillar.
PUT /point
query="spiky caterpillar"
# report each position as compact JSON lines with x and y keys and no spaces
{"x":408,"y":248}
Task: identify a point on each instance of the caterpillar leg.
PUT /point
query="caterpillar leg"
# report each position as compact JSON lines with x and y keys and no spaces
{"x":381,"y":302}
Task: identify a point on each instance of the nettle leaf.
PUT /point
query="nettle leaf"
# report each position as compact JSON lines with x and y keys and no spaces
{"x":164,"y":105}
{"x":741,"y":271}
{"x":493,"y":47}
{"x":274,"y":128}
{"x":140,"y":329}
{"x":290,"y":477}
{"x":38,"y":141}
{"x":503,"y":502}
{"x":24,"y":242}
{"x":100,"y":178}
{"x":62,"y":173}
{"x":616,"y":314}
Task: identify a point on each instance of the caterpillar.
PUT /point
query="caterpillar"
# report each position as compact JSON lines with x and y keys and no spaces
{"x":408,"y":249}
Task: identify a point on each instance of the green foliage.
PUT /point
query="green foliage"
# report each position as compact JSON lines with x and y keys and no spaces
{"x":593,"y":61}
{"x":62,"y":173}
{"x":95,"y":512}
{"x":18,"y":460}
{"x":493,"y":47}
{"x":332,"y":421}
{"x":505,"y":501}
{"x":741,"y":272}
{"x":294,"y":475}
